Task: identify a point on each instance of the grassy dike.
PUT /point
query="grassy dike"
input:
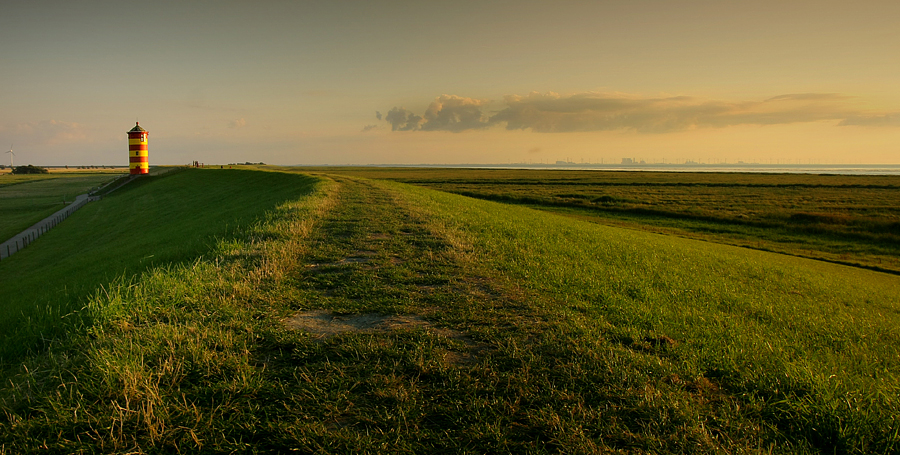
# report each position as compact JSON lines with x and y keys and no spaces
{"x":534,"y":333}
{"x":27,"y":199}
{"x":845,"y":219}
{"x":737,"y":341}
{"x":152,"y":222}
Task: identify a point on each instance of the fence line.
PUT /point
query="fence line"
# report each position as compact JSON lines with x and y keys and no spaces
{"x":31,"y":234}
{"x":28,"y":236}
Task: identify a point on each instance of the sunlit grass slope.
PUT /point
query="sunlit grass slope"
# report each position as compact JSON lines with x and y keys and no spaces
{"x":846,"y":219}
{"x":152,"y":221}
{"x":167,"y":360}
{"x":27,"y":199}
{"x":809,"y":348}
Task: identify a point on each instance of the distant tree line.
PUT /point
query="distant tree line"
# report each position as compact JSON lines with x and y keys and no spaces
{"x":29,"y":169}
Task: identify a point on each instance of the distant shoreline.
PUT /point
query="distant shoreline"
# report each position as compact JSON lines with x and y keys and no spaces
{"x":842,"y":169}
{"x":756,"y":168}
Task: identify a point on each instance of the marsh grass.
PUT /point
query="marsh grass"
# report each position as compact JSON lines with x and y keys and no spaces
{"x":544,"y":334}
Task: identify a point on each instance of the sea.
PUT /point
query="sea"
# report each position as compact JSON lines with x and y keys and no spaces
{"x":837,"y":169}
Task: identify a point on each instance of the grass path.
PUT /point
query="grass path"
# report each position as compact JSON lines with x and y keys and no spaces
{"x":371,"y":317}
{"x":428,"y":382}
{"x":213,"y":367}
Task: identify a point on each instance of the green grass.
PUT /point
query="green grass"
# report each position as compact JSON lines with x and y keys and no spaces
{"x":539,"y":334}
{"x":27,"y":199}
{"x":852,"y":220}
{"x":810,"y":346}
{"x":153,"y":221}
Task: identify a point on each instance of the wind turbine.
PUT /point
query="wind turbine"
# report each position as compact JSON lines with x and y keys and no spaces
{"x":11,"y":155}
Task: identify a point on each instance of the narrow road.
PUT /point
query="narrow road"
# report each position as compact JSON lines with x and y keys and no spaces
{"x":26,"y":237}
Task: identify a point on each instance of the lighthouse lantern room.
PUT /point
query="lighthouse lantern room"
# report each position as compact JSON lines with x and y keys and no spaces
{"x":138,"y":162}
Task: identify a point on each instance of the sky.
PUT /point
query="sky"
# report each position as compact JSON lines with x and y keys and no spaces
{"x":452,"y":82}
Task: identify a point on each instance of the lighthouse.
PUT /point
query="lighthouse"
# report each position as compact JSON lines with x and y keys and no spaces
{"x":138,"y":162}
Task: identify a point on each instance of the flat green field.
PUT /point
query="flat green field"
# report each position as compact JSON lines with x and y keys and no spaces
{"x":27,"y":199}
{"x":371,"y":316}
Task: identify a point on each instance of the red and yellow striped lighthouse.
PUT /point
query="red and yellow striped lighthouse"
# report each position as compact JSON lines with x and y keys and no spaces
{"x":138,"y":162}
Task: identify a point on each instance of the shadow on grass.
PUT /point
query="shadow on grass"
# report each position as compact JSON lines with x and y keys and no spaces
{"x":152,"y":222}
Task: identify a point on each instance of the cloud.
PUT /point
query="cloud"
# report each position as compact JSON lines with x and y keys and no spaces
{"x":238,"y":123}
{"x":402,"y":119}
{"x":597,"y":111}
{"x":892,"y":119}
{"x":52,"y":131}
{"x":551,"y":113}
{"x":445,"y":113}
{"x":454,"y":113}
{"x":369,"y":128}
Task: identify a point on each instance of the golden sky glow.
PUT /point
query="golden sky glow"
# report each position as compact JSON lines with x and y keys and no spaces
{"x":404,"y":82}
